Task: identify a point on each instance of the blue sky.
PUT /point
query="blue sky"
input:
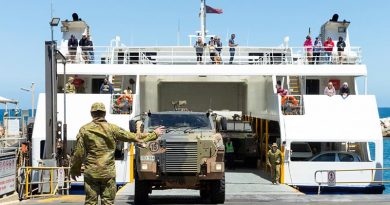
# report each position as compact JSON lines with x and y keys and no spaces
{"x":24,"y":27}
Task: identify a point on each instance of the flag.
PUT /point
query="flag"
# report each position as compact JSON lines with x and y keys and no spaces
{"x":212,"y":10}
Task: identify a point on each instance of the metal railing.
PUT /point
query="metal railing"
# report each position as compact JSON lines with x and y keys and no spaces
{"x":330,"y":182}
{"x":33,"y":181}
{"x":187,"y":55}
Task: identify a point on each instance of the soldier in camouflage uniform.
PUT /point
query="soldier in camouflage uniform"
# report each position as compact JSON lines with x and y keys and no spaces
{"x":69,"y":86}
{"x":96,"y":142}
{"x":274,"y":158}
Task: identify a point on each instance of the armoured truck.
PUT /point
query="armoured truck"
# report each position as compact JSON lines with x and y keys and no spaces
{"x":190,"y":155}
{"x":245,"y":141}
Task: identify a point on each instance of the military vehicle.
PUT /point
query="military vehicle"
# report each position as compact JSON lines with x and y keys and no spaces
{"x":190,"y":155}
{"x":245,"y":141}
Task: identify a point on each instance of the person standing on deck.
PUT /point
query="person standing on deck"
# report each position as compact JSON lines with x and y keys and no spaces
{"x":328,"y":50}
{"x":340,"y":48}
{"x":72,"y":48}
{"x":317,"y":51}
{"x":229,"y":149}
{"x":199,"y":48}
{"x":274,"y":158}
{"x":232,"y":48}
{"x":308,"y":45}
{"x":95,"y":147}
{"x":69,"y":86}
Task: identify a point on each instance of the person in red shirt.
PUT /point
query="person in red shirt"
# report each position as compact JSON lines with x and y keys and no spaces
{"x":78,"y":84}
{"x":328,"y":44}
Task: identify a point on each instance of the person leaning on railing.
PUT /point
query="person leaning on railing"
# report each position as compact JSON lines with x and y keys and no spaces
{"x":330,"y":90}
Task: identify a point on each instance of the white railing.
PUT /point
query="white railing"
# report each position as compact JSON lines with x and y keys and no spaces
{"x":187,"y":55}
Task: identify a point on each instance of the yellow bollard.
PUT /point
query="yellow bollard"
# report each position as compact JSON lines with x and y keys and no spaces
{"x":131,"y":163}
{"x":282,"y":166}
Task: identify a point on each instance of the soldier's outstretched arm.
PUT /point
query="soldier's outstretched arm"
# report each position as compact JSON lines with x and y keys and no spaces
{"x":78,"y":155}
{"x":154,"y":135}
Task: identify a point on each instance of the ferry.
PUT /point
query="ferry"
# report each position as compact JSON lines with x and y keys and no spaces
{"x":331,"y":143}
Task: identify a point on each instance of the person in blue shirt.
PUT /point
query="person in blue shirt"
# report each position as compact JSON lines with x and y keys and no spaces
{"x":317,"y":50}
{"x":106,"y":87}
{"x":232,"y":48}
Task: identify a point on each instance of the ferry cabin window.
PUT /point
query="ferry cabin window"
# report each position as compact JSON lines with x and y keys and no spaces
{"x":342,"y":29}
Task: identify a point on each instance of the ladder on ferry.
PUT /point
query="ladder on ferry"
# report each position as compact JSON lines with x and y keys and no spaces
{"x":117,"y":82}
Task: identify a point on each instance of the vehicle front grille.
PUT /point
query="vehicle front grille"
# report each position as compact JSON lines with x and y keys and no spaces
{"x":181,"y":157}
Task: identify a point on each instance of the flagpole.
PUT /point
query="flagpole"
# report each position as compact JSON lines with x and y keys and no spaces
{"x":203,"y":19}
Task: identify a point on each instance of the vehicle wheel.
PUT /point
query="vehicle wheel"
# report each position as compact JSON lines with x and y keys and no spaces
{"x":218,"y":191}
{"x":204,"y":190}
{"x":141,"y":190}
{"x":223,"y":123}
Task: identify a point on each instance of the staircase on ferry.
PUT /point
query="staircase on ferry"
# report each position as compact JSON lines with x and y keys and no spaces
{"x":117,"y":81}
{"x":294,"y":85}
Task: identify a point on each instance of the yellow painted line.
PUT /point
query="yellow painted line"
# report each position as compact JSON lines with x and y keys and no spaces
{"x":64,"y":198}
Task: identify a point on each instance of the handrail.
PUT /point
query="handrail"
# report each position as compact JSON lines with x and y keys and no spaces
{"x":350,"y":182}
{"x":26,"y":190}
{"x":187,"y":55}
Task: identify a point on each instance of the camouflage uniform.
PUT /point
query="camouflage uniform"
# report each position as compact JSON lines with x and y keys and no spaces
{"x":273,"y":160}
{"x":96,"y":143}
{"x":69,"y":87}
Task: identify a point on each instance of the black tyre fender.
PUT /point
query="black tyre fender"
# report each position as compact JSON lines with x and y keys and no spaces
{"x":218,"y":191}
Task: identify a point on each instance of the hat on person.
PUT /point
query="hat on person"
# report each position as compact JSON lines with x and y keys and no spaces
{"x":274,"y":145}
{"x":98,"y":106}
{"x":70,"y":78}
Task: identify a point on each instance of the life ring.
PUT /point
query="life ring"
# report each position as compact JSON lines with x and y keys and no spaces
{"x":290,"y":98}
{"x":118,"y":101}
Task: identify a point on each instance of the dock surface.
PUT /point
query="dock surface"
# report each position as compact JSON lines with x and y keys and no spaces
{"x":243,"y":186}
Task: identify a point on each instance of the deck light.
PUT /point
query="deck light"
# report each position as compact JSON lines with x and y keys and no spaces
{"x":54,"y":21}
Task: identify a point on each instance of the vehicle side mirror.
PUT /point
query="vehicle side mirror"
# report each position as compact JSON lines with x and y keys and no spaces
{"x":133,"y":126}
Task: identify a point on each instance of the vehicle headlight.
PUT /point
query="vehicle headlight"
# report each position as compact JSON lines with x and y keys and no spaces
{"x":218,"y":167}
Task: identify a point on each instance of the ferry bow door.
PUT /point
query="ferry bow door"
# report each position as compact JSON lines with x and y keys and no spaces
{"x":201,"y":96}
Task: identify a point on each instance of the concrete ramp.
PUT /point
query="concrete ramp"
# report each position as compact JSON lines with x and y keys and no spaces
{"x":240,"y":183}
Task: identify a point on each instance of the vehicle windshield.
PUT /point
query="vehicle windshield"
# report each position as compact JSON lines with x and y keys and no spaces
{"x":180,"y":121}
{"x":239,"y":126}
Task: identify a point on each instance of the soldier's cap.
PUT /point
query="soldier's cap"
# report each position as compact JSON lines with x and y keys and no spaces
{"x":274,"y":145}
{"x":98,"y":106}
{"x":70,"y":78}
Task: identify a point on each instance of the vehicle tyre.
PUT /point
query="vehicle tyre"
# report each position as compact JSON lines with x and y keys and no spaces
{"x":223,"y":123}
{"x":141,"y":190}
{"x":204,"y":190}
{"x":218,"y":191}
